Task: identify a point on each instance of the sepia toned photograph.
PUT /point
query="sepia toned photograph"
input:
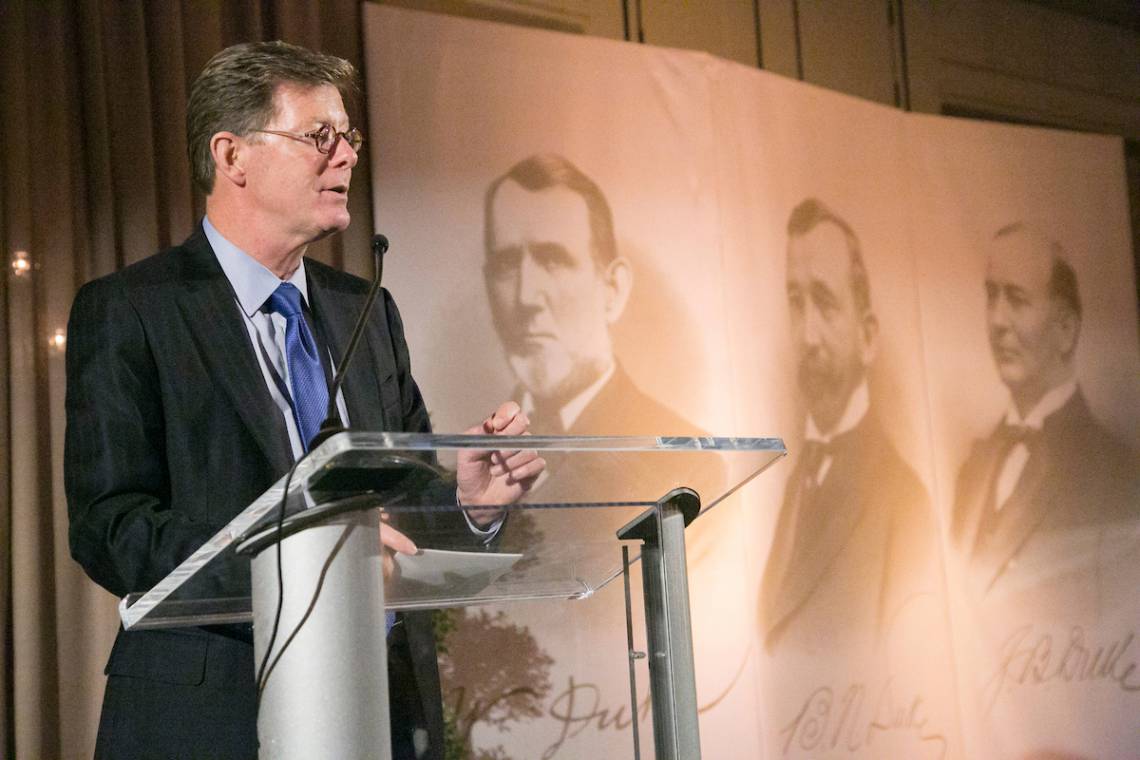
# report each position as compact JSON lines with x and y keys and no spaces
{"x":546,"y":380}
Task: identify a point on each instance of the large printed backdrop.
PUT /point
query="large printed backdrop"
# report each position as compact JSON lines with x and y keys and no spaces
{"x":916,"y":580}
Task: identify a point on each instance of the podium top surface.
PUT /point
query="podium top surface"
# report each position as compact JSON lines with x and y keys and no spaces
{"x":561,"y":535}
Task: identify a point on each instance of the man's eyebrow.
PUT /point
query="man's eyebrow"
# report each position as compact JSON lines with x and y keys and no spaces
{"x":817,"y":285}
{"x":1011,"y":287}
{"x":547,"y":245}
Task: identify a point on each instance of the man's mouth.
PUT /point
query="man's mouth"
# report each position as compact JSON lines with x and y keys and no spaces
{"x":530,"y":342}
{"x":1005,"y":354}
{"x":338,"y":189}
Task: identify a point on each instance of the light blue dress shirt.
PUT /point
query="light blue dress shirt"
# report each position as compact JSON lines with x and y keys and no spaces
{"x":252,"y":284}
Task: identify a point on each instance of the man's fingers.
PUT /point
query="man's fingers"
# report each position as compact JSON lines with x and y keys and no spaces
{"x":508,"y":419}
{"x":395,"y":540}
{"x":500,"y":457}
{"x":508,"y":461}
{"x":527,"y":471}
{"x":507,"y":413}
{"x":517,"y":425}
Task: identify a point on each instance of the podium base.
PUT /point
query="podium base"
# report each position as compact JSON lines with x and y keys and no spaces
{"x":326,"y":687}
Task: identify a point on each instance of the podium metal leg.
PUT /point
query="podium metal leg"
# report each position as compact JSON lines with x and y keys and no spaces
{"x":672,"y":680}
{"x":326,"y":692}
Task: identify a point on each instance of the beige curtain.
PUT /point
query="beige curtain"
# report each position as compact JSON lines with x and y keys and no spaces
{"x":94,"y":176}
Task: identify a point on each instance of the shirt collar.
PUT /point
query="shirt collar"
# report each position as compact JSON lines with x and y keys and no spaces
{"x":570,"y":412}
{"x":1049,"y":403}
{"x":574,"y":409}
{"x":252,"y":282}
{"x":857,"y":407}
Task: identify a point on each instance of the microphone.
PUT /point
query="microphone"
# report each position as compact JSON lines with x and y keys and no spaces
{"x":333,"y":423}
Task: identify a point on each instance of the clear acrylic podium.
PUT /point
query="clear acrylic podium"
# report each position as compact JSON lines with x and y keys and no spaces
{"x":601,"y":501}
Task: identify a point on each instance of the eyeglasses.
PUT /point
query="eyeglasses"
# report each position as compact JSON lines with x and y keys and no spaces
{"x":324,"y":137}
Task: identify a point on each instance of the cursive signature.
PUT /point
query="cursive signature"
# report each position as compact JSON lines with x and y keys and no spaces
{"x":849,"y":720}
{"x":579,"y":706}
{"x":1029,"y":659}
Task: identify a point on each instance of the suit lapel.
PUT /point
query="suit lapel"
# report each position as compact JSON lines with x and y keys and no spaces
{"x":1031,"y":503}
{"x":208,"y":308}
{"x":774,"y":604}
{"x":825,"y":525}
{"x":336,"y":311}
{"x":594,"y":419}
{"x":1021,"y":514}
{"x":976,"y":490}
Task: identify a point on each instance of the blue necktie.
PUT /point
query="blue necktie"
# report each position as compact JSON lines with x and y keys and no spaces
{"x":306,"y":375}
{"x":307,"y":380}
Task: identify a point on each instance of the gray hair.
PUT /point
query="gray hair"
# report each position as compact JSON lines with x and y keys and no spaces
{"x":1063,"y":285}
{"x":235,"y":93}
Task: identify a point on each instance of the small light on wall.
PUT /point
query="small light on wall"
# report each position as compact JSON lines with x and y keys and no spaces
{"x":21,"y":264}
{"x":58,"y":341}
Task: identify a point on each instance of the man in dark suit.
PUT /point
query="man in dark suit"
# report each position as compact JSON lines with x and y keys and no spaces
{"x":1048,"y":469}
{"x":854,"y":539}
{"x":556,"y":284}
{"x":197,"y":376}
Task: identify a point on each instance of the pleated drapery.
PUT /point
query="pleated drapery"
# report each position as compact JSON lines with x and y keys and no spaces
{"x":94,"y":176}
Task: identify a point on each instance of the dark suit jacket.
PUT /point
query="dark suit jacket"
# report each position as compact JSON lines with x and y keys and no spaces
{"x":171,"y":432}
{"x":846,"y":558}
{"x":621,"y":408}
{"x":1077,"y":475}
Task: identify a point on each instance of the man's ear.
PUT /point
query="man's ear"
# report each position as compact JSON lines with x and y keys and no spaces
{"x":229,"y":153}
{"x":870,"y":335}
{"x":618,"y":281}
{"x":1068,"y":330}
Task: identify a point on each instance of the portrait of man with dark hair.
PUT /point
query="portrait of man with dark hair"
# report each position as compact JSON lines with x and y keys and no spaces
{"x":1048,"y":467}
{"x":556,"y":285}
{"x":854,"y":538}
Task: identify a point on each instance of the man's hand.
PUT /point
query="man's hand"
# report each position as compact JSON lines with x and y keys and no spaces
{"x":495,"y":478}
{"x":393,"y":541}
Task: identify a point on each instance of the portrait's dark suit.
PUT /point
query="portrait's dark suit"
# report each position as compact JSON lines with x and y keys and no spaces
{"x":848,"y":552}
{"x":1077,"y":475}
{"x":171,"y":432}
{"x":621,"y":408}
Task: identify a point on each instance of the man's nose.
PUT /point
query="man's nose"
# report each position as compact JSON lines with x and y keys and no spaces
{"x":532,"y":282}
{"x":343,"y":155}
{"x":997,"y":313}
{"x":810,"y":329}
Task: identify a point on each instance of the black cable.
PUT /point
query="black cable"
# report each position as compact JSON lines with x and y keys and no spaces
{"x":280,"y":581}
{"x":331,"y":425}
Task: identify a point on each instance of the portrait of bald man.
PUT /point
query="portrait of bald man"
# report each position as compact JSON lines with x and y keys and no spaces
{"x":855,"y":537}
{"x":556,"y":285}
{"x":1048,"y":468}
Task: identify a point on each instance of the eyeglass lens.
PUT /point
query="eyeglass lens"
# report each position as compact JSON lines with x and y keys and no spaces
{"x":326,"y":138}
